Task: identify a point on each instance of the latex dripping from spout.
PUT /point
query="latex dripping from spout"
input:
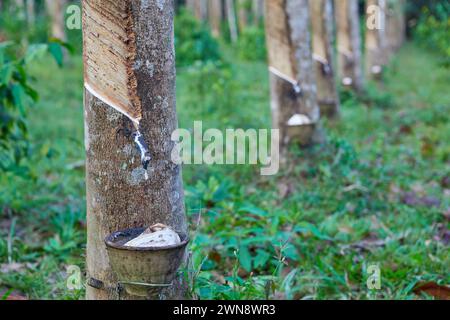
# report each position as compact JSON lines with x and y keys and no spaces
{"x":143,"y":148}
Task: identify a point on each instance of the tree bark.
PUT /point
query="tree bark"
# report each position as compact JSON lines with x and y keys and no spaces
{"x":231,"y":16}
{"x":56,"y":11}
{"x":322,"y":29}
{"x":295,"y":111}
{"x":129,"y":61}
{"x":376,"y":45}
{"x":349,"y":44}
{"x":215,"y":16}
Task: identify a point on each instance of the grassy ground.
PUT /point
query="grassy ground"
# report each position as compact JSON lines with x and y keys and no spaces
{"x":377,"y":192}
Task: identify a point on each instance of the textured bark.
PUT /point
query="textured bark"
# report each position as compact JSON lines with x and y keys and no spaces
{"x":215,"y":16}
{"x":56,"y":12}
{"x":119,"y":195}
{"x":231,"y":16}
{"x":293,"y":89}
{"x":322,"y":29}
{"x":349,"y":44}
{"x":376,"y":45}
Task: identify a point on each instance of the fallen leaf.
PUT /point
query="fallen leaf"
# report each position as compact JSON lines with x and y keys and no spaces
{"x":445,"y":182}
{"x":215,"y":256}
{"x":434,"y":290}
{"x":11,"y":295}
{"x":443,"y":234}
{"x":406,"y":129}
{"x":446,"y":214}
{"x":412,"y":199}
{"x":12,"y":267}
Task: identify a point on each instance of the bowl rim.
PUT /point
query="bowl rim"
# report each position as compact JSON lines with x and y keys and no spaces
{"x":111,"y":244}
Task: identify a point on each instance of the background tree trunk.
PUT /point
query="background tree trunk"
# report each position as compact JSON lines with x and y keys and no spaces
{"x":215,"y":16}
{"x":199,"y":9}
{"x":294,"y":103}
{"x":243,"y":17}
{"x":395,"y":25}
{"x":20,"y":8}
{"x":349,"y":44}
{"x":376,"y":46}
{"x":56,"y":11}
{"x":231,"y":16}
{"x":322,"y":29}
{"x":258,"y":11}
{"x":31,"y":14}
{"x":129,"y":66}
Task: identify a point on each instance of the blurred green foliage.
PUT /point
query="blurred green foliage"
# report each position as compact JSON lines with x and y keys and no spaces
{"x":433,"y":28}
{"x":252,"y":44}
{"x":193,"y":41}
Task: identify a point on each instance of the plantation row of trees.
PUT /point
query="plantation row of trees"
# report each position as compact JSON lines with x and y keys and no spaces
{"x":313,"y":47}
{"x":124,"y":73}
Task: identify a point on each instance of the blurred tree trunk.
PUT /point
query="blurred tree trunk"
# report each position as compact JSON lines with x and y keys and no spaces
{"x":376,"y":42}
{"x":395,"y":25}
{"x":243,"y":17}
{"x":215,"y":16}
{"x":231,"y":16}
{"x":295,"y":111}
{"x":31,"y":14}
{"x":199,"y":8}
{"x":20,"y":8}
{"x":349,"y":44}
{"x":258,"y":11}
{"x":322,"y":29}
{"x":129,"y":61}
{"x":56,"y":11}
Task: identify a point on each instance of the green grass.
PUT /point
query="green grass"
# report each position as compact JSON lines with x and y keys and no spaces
{"x":358,"y":199}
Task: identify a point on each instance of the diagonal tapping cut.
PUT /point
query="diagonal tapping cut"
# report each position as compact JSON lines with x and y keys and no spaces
{"x":110,"y":46}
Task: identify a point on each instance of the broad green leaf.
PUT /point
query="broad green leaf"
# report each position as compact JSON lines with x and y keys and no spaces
{"x":56,"y":51}
{"x":245,"y":258}
{"x":35,"y":51}
{"x":261,"y":258}
{"x":19,"y":97}
{"x":6,"y":73}
{"x":253,"y":210}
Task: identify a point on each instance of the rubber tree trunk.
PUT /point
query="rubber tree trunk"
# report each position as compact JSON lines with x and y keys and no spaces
{"x":129,"y":61}
{"x":395,"y":25}
{"x":199,"y":8}
{"x":31,"y":14}
{"x":231,"y":17}
{"x":243,"y":14}
{"x":323,"y":54}
{"x":349,"y":44}
{"x":258,"y":11}
{"x":215,"y":16}
{"x":295,"y":111}
{"x":56,"y":11}
{"x":376,"y":45}
{"x":20,"y":8}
